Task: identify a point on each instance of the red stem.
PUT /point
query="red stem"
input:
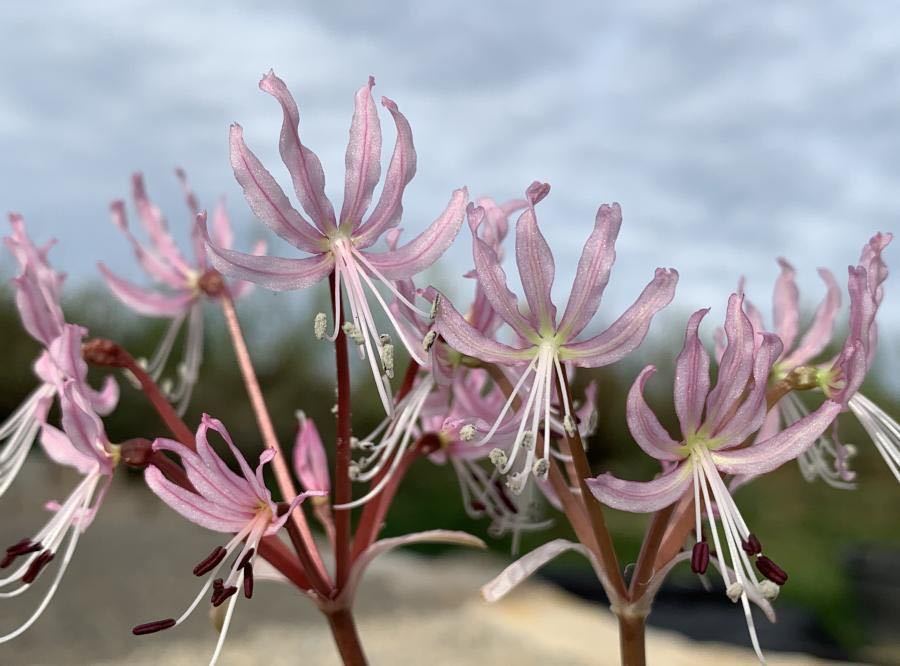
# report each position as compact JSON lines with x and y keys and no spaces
{"x":343,"y":628}
{"x":343,"y":491}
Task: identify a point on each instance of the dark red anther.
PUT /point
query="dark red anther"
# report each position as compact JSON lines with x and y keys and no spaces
{"x":246,"y":558}
{"x":771,"y":570}
{"x":211,"y":562}
{"x":248,"y":580}
{"x":153,"y":627}
{"x":429,"y":443}
{"x":477,"y":505}
{"x":37,"y":565}
{"x":7,"y":560}
{"x":751,"y":545}
{"x":700,"y":557}
{"x":220,"y":597}
{"x":24,"y":547}
{"x":19,"y":544}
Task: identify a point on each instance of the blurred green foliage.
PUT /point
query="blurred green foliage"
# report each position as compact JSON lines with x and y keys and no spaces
{"x":808,"y":528}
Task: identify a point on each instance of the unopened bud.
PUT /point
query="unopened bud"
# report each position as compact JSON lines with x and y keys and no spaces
{"x":320,"y":325}
{"x":498,"y":457}
{"x":467,"y":432}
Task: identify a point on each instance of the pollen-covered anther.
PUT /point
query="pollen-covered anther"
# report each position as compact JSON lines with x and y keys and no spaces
{"x":700,"y":557}
{"x":569,"y":425}
{"x":320,"y":325}
{"x":516,"y":482}
{"x":751,"y":545}
{"x":352,"y":331}
{"x":540,"y":469}
{"x":497,"y":457}
{"x":353,"y":471}
{"x":769,"y":590}
{"x":387,"y":358}
{"x":467,"y":432}
{"x":528,"y":440}
{"x":770,"y":570}
{"x":428,"y":340}
{"x":734,"y":591}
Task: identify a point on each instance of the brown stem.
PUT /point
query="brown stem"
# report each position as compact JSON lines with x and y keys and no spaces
{"x":343,"y":491}
{"x":645,"y":569}
{"x":680,"y":525}
{"x":631,"y":640}
{"x":343,"y":628}
{"x":317,"y":571}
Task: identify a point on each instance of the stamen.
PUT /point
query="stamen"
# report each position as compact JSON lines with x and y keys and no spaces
{"x":320,"y":325}
{"x":429,"y":339}
{"x":248,"y":580}
{"x":751,"y":545}
{"x":153,"y":627}
{"x":245,"y":560}
{"x":769,"y":590}
{"x":221,"y":596}
{"x":541,"y":467}
{"x":467,"y":432}
{"x":36,"y":566}
{"x":497,"y":457}
{"x":700,"y":557}
{"x":734,"y":591}
{"x":211,"y":562}
{"x":569,"y":425}
{"x":771,"y":570}
{"x":352,"y":331}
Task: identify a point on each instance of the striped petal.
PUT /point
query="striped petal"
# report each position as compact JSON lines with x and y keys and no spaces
{"x":691,"y":376}
{"x":643,"y":424}
{"x":735,"y":367}
{"x":535,"y":262}
{"x":642,"y":496}
{"x":147,"y":302}
{"x":363,"y":160}
{"x":465,"y":338}
{"x":785,"y":305}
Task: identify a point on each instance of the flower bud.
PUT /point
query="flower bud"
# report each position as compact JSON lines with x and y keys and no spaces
{"x":310,"y":461}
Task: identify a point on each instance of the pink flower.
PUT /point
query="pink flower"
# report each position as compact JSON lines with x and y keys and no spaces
{"x":82,"y":445}
{"x":38,"y":289}
{"x":338,"y":244}
{"x":179,"y":296}
{"x":238,"y":504}
{"x":545,"y":344}
{"x":715,"y":423}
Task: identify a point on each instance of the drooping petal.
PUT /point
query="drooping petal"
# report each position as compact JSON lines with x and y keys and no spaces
{"x":105,"y":400}
{"x":240,"y":288}
{"x":629,"y":330}
{"x":785,"y":305}
{"x":463,"y":337}
{"x":691,"y":376}
{"x":302,"y":163}
{"x":643,"y":424}
{"x":267,"y":200}
{"x":363,"y":160}
{"x":735,"y":366}
{"x":592,"y":274}
{"x":275,"y":273}
{"x":535,"y":262}
{"x":81,"y":425}
{"x":60,"y":450}
{"x":41,"y":316}
{"x":423,"y":250}
{"x":190,"y":505}
{"x":146,"y":302}
{"x":310,"y":461}
{"x":642,"y":496}
{"x":770,"y":454}
{"x":400,"y":172}
{"x":818,"y":335}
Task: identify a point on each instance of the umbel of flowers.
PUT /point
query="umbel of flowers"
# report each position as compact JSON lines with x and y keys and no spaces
{"x":486,"y":392}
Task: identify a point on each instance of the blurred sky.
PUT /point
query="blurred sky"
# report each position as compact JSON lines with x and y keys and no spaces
{"x":731,"y":133}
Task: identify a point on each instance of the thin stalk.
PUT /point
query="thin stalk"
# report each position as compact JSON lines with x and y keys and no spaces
{"x":343,"y":490}
{"x":645,"y":569}
{"x":343,"y":628}
{"x":631,"y":640}
{"x":317,"y":572}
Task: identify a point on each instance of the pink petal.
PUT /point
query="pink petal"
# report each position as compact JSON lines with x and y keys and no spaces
{"x":770,"y":454}
{"x":310,"y":461}
{"x":535,"y":262}
{"x":302,"y":163}
{"x":642,"y":496}
{"x":818,"y":335}
{"x":629,"y":330}
{"x":191,"y":506}
{"x":105,"y":400}
{"x":643,"y":424}
{"x":154,"y":265}
{"x":735,"y":367}
{"x":61,"y":451}
{"x":423,"y":250}
{"x":400,"y":172}
{"x":268,"y":201}
{"x":221,"y":232}
{"x":155,"y":225}
{"x":144,"y":301}
{"x":193,"y":210}
{"x":593,"y":271}
{"x":81,"y":425}
{"x":464,"y":338}
{"x":786,"y":305}
{"x":258,"y":486}
{"x":240,"y":288}
{"x":691,"y":376}
{"x":363,"y":160}
{"x":41,"y":316}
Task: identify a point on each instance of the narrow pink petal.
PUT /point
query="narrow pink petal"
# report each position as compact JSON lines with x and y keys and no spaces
{"x":400,"y":172}
{"x":209,"y":422}
{"x":267,"y":200}
{"x":310,"y":461}
{"x":629,"y":330}
{"x":691,"y":376}
{"x":641,"y":496}
{"x":592,"y":274}
{"x":302,"y":163}
{"x":643,"y":424}
{"x":144,"y":301}
{"x":535,"y":262}
{"x":464,"y":338}
{"x":818,"y":335}
{"x":61,"y":451}
{"x":770,"y":454}
{"x":191,"y":506}
{"x":155,"y":225}
{"x":41,"y":316}
{"x":785,"y":305}
{"x":221,"y":231}
{"x":81,"y":425}
{"x":105,"y":400}
{"x":876,"y":269}
{"x":275,"y":273}
{"x":156,"y":266}
{"x":193,"y":207}
{"x":423,"y":250}
{"x":363,"y":159}
{"x":240,"y":288}
{"x":736,"y":364}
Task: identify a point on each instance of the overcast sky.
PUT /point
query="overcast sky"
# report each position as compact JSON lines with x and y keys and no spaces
{"x":731,"y":133}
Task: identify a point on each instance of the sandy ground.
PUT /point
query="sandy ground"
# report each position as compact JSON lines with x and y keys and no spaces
{"x":134,"y":565}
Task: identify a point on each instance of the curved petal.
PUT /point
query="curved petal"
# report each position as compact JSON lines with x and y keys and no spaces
{"x":818,"y":335}
{"x":105,"y":400}
{"x":146,"y":302}
{"x":785,"y":305}
{"x":691,"y":376}
{"x":400,"y":172}
{"x":464,"y":338}
{"x":240,"y":288}
{"x":423,"y":250}
{"x":363,"y":160}
{"x":275,"y":273}
{"x":41,"y":314}
{"x":221,"y":231}
{"x":643,"y":424}
{"x":302,"y":163}
{"x":593,"y":271}
{"x":81,"y":425}
{"x":735,"y":366}
{"x":155,"y":224}
{"x":191,"y":506}
{"x":770,"y":454}
{"x":267,"y":200}
{"x":535,"y":262}
{"x":60,"y":450}
{"x":641,"y":496}
{"x":155,"y":266}
{"x":629,"y":330}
